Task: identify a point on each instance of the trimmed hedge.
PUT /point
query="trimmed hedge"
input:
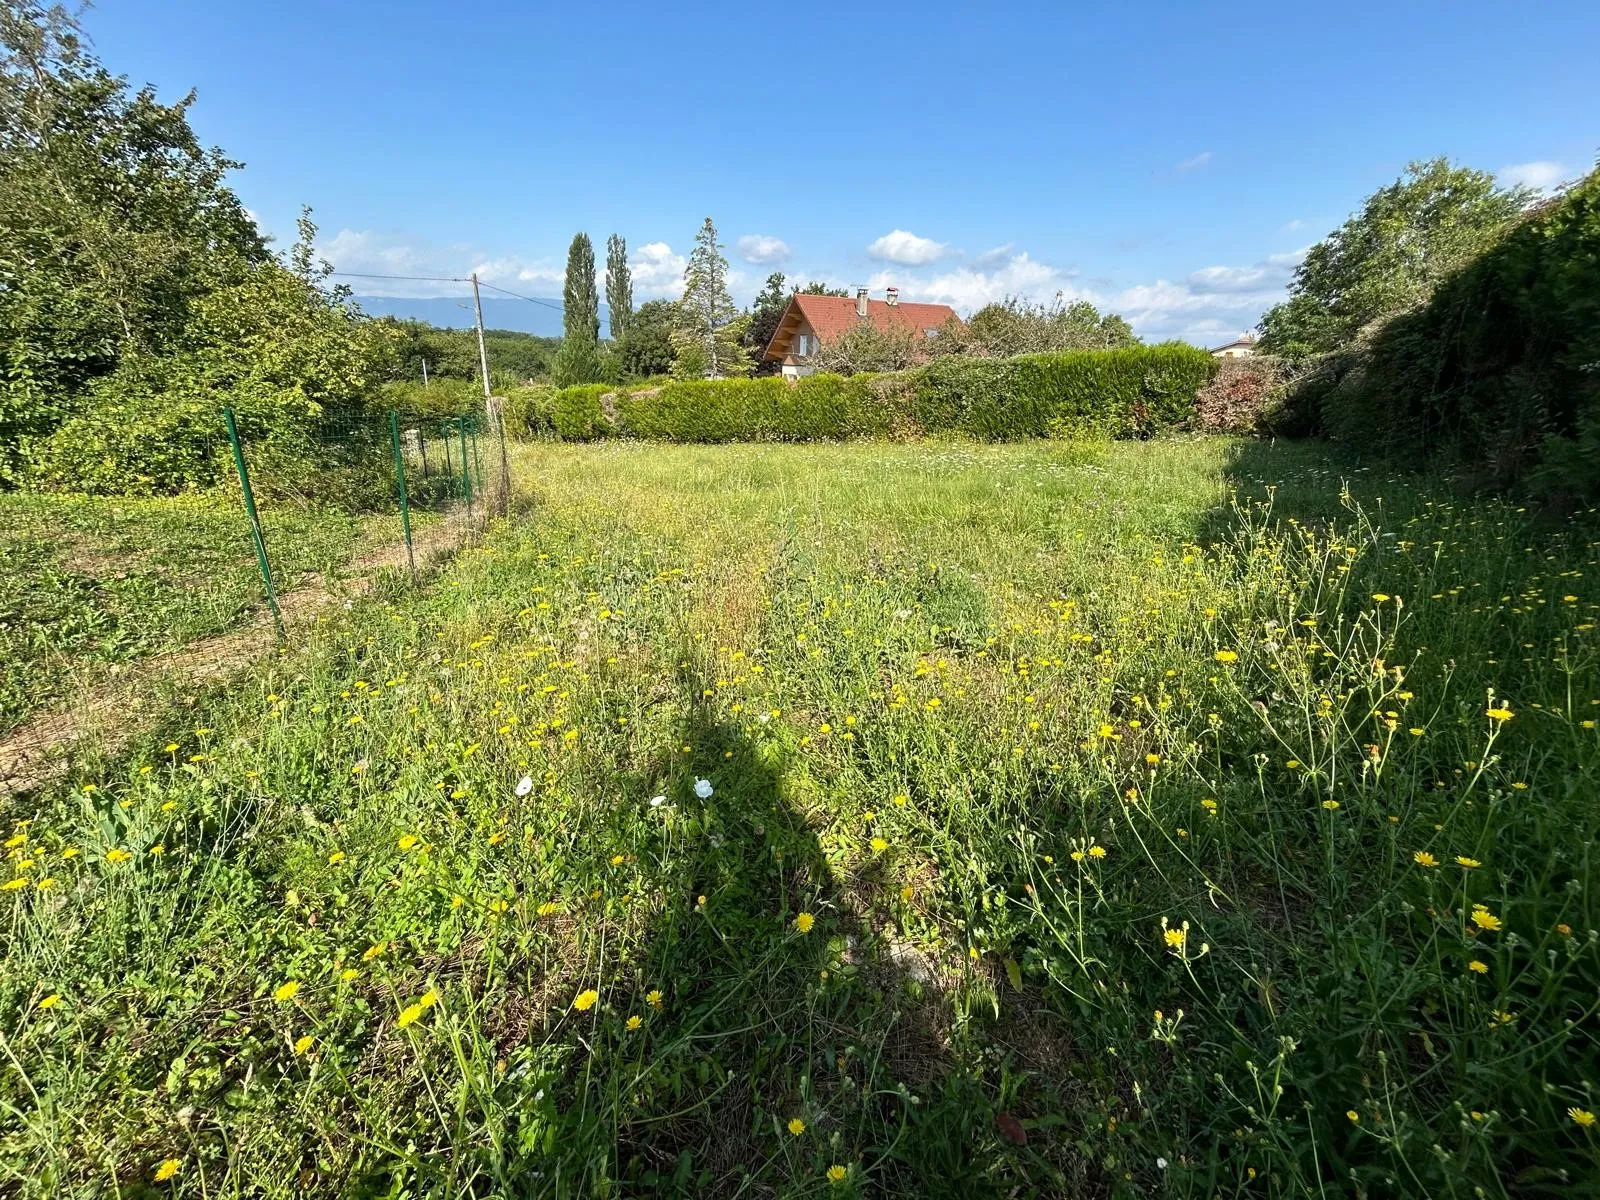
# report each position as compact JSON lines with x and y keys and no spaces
{"x":1132,"y":392}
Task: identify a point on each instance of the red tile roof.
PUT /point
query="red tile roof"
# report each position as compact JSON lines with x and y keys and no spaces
{"x":830,"y":316}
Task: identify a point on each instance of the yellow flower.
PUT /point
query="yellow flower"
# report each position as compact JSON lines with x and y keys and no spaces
{"x":1175,"y":938}
{"x":836,"y":1173}
{"x":349,"y":974}
{"x":1469,"y":863}
{"x":429,"y":998}
{"x":167,"y":1169}
{"x":50,"y":1001}
{"x":336,"y":858}
{"x":45,"y":883}
{"x":496,"y":838}
{"x":902,"y":800}
{"x":373,"y":951}
{"x":1478,"y":966}
{"x":1499,"y":714}
{"x":635,"y":1021}
{"x":286,"y":992}
{"x":1484,"y":919}
{"x":1330,"y":805}
{"x":1564,"y":929}
{"x":796,"y":1126}
{"x":906,"y":893}
{"x":1097,"y":851}
{"x":1380,"y":597}
{"x":1152,"y":759}
{"x":406,"y":841}
{"x":585,"y":1000}
{"x":616,"y":860}
{"x":1520,"y":786}
{"x":653,"y":999}
{"x":1416,"y":732}
{"x":1227,"y":656}
{"x":1423,"y":859}
{"x":1352,"y":1114}
{"x":1581,"y":1117}
{"x":548,"y":907}
{"x":1209,"y":805}
{"x":410,"y":1015}
{"x":117,"y":855}
{"x":804,"y":922}
{"x":304,"y":1044}
{"x":14,"y":885}
{"x":879,"y":845}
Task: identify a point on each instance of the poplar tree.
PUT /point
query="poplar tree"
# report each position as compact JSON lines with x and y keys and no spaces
{"x":578,"y":360}
{"x":708,"y":339}
{"x":619,"y":286}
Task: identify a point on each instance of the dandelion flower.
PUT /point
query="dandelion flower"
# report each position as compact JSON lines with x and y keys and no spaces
{"x":336,"y":858}
{"x":585,"y":1000}
{"x":50,"y":1001}
{"x":304,"y":1044}
{"x":1581,"y":1117}
{"x":1380,"y":597}
{"x":1423,"y":859}
{"x":410,"y":1015}
{"x":1227,"y":656}
{"x":836,"y":1173}
{"x":1330,"y":805}
{"x":1469,"y":863}
{"x":286,"y":992}
{"x":703,"y":788}
{"x":804,"y":922}
{"x":1097,"y":851}
{"x":429,"y":998}
{"x":117,"y":855}
{"x":524,"y":785}
{"x":653,"y":998}
{"x":1175,"y":938}
{"x":167,"y":1169}
{"x":1484,"y":919}
{"x":1478,"y":966}
{"x":406,"y":841}
{"x":1499,"y":714}
{"x":1353,"y":1115}
{"x":879,"y":845}
{"x":796,"y":1126}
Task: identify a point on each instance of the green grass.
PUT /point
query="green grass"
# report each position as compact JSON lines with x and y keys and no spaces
{"x":1052,"y":797}
{"x":89,"y":585}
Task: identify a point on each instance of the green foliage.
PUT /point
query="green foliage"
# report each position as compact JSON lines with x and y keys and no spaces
{"x":114,"y":223}
{"x":577,"y":414}
{"x":646,"y":349}
{"x":619,"y":286}
{"x":1013,"y":326}
{"x":765,"y":314}
{"x":442,"y":397}
{"x":531,"y":410}
{"x":578,"y":360}
{"x":514,"y":357}
{"x":708,"y":338}
{"x":1498,"y":368}
{"x":868,"y":347}
{"x":1133,"y":392}
{"x":1389,"y":256}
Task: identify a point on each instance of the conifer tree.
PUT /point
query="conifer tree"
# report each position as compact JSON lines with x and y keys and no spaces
{"x":708,"y":339}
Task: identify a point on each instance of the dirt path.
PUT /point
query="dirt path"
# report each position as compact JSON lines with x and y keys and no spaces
{"x":114,"y":714}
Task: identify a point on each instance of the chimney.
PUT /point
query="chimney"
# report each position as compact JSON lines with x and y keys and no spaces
{"x":861,"y":303}
{"x":892,"y":297}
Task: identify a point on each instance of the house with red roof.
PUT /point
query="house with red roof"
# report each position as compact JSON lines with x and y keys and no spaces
{"x":811,"y":322}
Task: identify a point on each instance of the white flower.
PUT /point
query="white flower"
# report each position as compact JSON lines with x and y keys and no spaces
{"x":657,"y":801}
{"x":524,"y":785}
{"x":1161,"y":1164}
{"x":702,"y":788}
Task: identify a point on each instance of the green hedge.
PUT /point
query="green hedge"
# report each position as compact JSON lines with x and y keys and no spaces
{"x":1500,"y":368}
{"x":1131,"y":392}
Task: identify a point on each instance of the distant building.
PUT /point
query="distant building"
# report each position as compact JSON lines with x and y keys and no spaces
{"x":1242,"y":346}
{"x":811,"y":322}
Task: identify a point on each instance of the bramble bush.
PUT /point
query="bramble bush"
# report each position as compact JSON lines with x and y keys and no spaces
{"x":1131,"y":392}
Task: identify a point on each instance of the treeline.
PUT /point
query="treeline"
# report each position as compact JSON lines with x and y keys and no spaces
{"x":1135,"y":391}
{"x":705,"y":335}
{"x":1454,"y":318}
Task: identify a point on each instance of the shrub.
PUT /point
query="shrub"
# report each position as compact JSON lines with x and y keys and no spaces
{"x":1245,"y":396}
{"x":531,"y":410}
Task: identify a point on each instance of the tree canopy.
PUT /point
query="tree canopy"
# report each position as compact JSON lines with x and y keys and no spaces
{"x":578,"y":360}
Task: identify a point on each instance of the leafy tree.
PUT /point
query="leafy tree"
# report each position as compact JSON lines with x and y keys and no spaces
{"x":646,"y":348}
{"x":865,"y":347}
{"x":1014,"y":326}
{"x":765,"y":315}
{"x":1390,"y":255}
{"x":514,"y":357}
{"x":619,"y":285}
{"x":578,"y":360}
{"x":114,"y":221}
{"x":707,"y":340}
{"x":821,"y":289}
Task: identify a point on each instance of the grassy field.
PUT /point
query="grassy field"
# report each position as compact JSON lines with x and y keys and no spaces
{"x":907,"y":820}
{"x":90,"y":585}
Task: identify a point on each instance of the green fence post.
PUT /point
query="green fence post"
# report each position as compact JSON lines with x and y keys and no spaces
{"x":466,"y":466}
{"x":255,"y":519}
{"x":400,"y":482}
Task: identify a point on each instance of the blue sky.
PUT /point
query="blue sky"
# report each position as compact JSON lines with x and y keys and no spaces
{"x":1165,"y":160}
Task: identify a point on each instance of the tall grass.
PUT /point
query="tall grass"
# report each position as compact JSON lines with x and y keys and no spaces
{"x":1159,"y":818}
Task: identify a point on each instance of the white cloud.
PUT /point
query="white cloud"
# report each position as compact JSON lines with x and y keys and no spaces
{"x":990,"y":258}
{"x":1541,"y":176}
{"x":1292,"y":226}
{"x":908,"y":249}
{"x":761,"y":249}
{"x":1199,"y":160}
{"x":657,"y":271}
{"x":966,"y":288}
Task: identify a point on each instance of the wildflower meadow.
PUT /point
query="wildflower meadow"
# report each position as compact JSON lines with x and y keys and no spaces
{"x":1188,"y":817}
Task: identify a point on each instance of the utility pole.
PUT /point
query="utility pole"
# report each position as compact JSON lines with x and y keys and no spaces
{"x":496,"y":420}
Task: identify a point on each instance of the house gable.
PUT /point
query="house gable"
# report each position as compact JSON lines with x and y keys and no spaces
{"x":830,"y":317}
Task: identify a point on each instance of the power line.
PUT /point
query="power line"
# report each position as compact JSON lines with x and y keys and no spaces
{"x":412,"y":278}
{"x":519,"y":295}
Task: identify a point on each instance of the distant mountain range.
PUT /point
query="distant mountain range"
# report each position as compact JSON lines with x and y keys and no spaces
{"x":499,"y":312}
